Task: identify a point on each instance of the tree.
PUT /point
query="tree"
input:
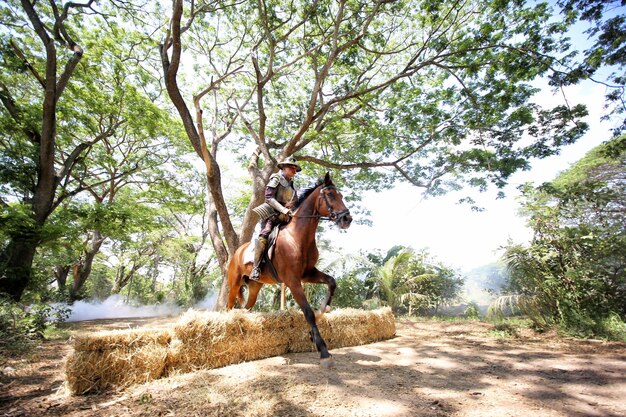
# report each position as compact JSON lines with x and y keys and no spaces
{"x":404,"y":277}
{"x":185,"y":252}
{"x":607,"y":30}
{"x":388,"y":276}
{"x":434,"y":93}
{"x":51,"y":25}
{"x":100,"y":127}
{"x":428,"y":284}
{"x":133,"y":156}
{"x":574,"y":267}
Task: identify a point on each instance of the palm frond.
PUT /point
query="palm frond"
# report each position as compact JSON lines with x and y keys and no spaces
{"x":517,"y":304}
{"x":413,"y":297}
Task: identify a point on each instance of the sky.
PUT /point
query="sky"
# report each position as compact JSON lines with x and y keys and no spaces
{"x":453,"y":233}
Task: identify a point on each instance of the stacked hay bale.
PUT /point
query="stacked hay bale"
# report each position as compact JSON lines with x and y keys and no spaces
{"x":112,"y":359}
{"x":204,"y":340}
{"x":342,"y":328}
{"x":211,"y":339}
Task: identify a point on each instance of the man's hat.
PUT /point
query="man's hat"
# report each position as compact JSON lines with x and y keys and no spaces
{"x":290,"y":160}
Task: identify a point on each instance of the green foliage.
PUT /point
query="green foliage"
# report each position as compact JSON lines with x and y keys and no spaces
{"x":573,"y":274}
{"x":109,"y":134}
{"x":388,"y":277}
{"x":16,"y":220}
{"x":472,"y":311}
{"x":15,"y":336}
{"x":607,"y":29}
{"x":410,"y":282}
{"x":482,"y":283}
{"x":100,"y":283}
{"x":612,"y":327}
{"x":508,"y":306}
{"x":350,"y":292}
{"x":503,"y":331}
{"x":22,"y":328}
{"x":446,"y":107}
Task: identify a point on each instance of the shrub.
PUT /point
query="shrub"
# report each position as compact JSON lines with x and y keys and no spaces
{"x":21,"y":328}
{"x":472,"y":311}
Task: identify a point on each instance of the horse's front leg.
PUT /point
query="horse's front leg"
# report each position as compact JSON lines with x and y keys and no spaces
{"x":326,"y":359}
{"x":316,"y":276}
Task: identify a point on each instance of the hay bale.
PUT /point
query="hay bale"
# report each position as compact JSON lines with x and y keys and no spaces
{"x":204,"y":340}
{"x":115,"y":339}
{"x":212,"y":339}
{"x":343,"y":328}
{"x":113,"y":359}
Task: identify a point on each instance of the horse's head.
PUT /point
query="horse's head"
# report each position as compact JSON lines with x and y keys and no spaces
{"x":330,"y":203}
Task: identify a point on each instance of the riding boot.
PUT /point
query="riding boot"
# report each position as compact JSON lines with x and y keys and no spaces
{"x":259,"y":248}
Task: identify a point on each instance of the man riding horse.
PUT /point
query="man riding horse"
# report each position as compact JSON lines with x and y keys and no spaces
{"x":279,"y":194}
{"x":295,"y":252}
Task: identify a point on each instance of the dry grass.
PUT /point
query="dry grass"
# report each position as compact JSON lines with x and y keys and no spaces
{"x":205,"y":340}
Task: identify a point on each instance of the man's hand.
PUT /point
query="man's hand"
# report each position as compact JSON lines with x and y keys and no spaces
{"x":285,"y":216}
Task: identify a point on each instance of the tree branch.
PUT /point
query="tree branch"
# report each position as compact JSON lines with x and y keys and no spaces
{"x":32,"y":69}
{"x":16,"y":114}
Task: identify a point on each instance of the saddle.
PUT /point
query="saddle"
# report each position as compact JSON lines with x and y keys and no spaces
{"x":268,"y":252}
{"x":271,"y":242}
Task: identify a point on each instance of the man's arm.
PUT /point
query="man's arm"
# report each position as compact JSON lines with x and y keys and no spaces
{"x":270,"y":198}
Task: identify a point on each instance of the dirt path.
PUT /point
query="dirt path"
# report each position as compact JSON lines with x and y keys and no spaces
{"x":430,"y":369}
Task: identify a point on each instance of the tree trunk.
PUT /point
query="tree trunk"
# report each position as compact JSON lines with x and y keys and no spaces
{"x":60,"y":274}
{"x":120,"y":280}
{"x":123,"y":278}
{"x":82,"y":269}
{"x":18,"y":259}
{"x":283,"y":296}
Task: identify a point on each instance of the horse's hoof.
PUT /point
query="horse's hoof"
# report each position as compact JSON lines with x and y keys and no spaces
{"x":327,"y":363}
{"x":327,"y":309}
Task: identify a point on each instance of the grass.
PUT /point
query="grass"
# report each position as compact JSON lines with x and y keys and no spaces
{"x":503,"y":331}
{"x":504,"y":328}
{"x":611,"y":328}
{"x":55,"y":333}
{"x":499,"y":334}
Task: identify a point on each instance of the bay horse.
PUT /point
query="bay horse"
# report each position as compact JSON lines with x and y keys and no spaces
{"x":295,"y":256}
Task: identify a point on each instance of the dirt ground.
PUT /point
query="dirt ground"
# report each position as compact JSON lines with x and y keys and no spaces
{"x":430,"y":368}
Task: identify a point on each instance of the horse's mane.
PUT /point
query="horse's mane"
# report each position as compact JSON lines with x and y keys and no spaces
{"x":303,"y":193}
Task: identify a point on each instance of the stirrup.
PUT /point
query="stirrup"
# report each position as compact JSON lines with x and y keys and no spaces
{"x":254,"y":275}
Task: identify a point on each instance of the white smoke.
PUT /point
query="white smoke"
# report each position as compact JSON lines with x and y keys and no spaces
{"x":116,"y":307}
{"x":208,"y":303}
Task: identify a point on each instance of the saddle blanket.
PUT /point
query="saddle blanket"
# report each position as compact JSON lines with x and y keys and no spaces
{"x":248,"y":254}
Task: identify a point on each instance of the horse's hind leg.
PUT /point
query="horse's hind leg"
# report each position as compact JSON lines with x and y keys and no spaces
{"x":253,"y":291}
{"x":234,"y":285}
{"x":326,"y":359}
{"x":318,"y":277}
{"x":233,"y":294}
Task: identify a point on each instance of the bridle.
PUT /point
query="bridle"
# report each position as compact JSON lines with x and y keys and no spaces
{"x":335,"y":216}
